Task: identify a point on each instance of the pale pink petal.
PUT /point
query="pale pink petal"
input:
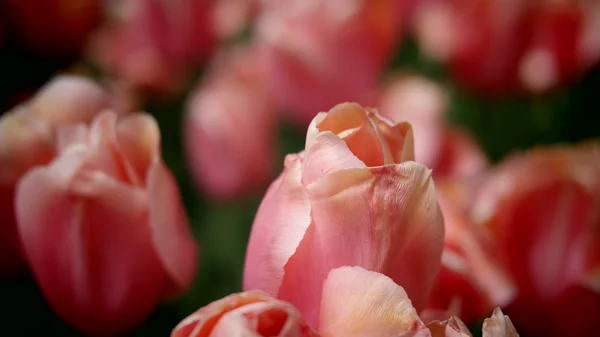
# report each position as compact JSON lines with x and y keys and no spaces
{"x":138,"y":137}
{"x":328,"y":154}
{"x":498,"y":325}
{"x":390,"y":222}
{"x":86,"y":240}
{"x":357,"y":302}
{"x":171,"y":234}
{"x":278,"y":228}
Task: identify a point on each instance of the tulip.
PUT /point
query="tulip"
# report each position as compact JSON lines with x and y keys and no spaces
{"x":503,"y":46}
{"x":352,"y":197}
{"x":103,"y":227}
{"x":356,"y":303}
{"x":230,"y":127}
{"x":27,"y":138}
{"x":540,"y":208}
{"x":151,"y":45}
{"x":471,"y":281}
{"x":56,"y":28}
{"x":448,"y":150}
{"x":323,"y":52}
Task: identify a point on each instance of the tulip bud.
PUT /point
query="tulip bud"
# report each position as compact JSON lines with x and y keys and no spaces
{"x":352,"y":197}
{"x":103,"y":227}
{"x":27,"y":139}
{"x":230,"y":128}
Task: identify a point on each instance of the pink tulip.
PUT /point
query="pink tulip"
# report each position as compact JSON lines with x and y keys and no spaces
{"x":499,"y":46}
{"x":229,"y":128}
{"x":352,"y":197}
{"x":450,"y":151}
{"x":540,"y":208}
{"x":471,"y":281}
{"x":323,"y":52}
{"x":103,"y":227}
{"x":355,"y":303}
{"x":153,"y":44}
{"x":27,"y":138}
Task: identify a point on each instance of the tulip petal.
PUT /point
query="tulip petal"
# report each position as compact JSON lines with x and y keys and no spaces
{"x":357,"y":302}
{"x":384,"y":214}
{"x":173,"y":239}
{"x":85,"y":238}
{"x":452,"y":327}
{"x":138,"y":137}
{"x":285,"y":203}
{"x":328,"y":154}
{"x":498,"y":325}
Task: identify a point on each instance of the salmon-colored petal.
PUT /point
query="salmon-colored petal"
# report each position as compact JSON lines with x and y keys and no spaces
{"x":498,"y":325}
{"x":69,"y":99}
{"x":327,"y":154}
{"x":278,"y":228}
{"x":86,"y":241}
{"x":171,"y":234}
{"x":390,"y":222}
{"x":138,"y":137}
{"x":357,"y":302}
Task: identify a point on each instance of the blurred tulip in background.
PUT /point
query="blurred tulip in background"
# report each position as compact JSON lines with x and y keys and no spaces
{"x":230,"y":127}
{"x":102,"y":225}
{"x":352,"y":197}
{"x":320,"y":53}
{"x":27,"y":139}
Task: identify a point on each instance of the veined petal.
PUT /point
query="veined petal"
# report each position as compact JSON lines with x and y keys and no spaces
{"x":384,"y":219}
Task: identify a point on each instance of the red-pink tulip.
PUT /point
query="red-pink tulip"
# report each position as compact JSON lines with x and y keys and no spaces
{"x":323,"y":52}
{"x":27,"y":137}
{"x":499,"y":46}
{"x":103,"y":227}
{"x":471,"y":281}
{"x":153,"y":44}
{"x":541,"y":210}
{"x":229,"y":128}
{"x":355,"y":303}
{"x":352,"y":197}
{"x":57,"y":28}
{"x":448,"y":150}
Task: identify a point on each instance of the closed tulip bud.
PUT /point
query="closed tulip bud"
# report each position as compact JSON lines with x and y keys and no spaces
{"x":352,"y":197}
{"x":103,"y":227}
{"x":27,"y":138}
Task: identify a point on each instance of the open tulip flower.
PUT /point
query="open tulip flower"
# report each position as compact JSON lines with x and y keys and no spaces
{"x":352,"y":197}
{"x":102,"y":225}
{"x":27,"y":138}
{"x":355,"y":303}
{"x":541,"y":209}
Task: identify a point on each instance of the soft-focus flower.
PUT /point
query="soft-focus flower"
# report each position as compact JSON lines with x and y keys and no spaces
{"x":355,"y":303}
{"x":322,"y":52}
{"x":471,"y":281}
{"x":154,"y":44}
{"x":27,"y":138}
{"x":447,"y":149}
{"x":541,"y":209}
{"x":103,"y":227}
{"x":56,"y":28}
{"x":499,"y":46}
{"x":230,"y":127}
{"x":352,"y":197}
